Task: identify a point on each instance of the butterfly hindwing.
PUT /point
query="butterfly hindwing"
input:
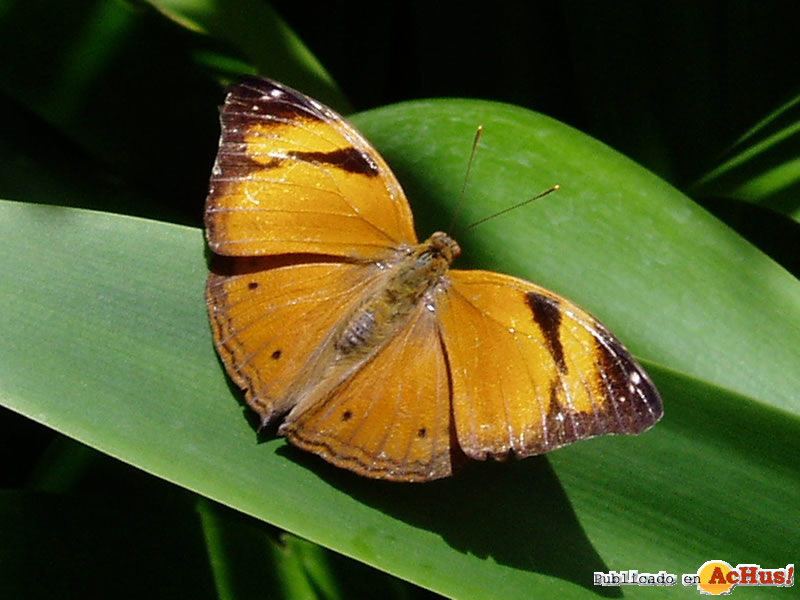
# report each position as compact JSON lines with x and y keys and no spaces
{"x":292,"y":175}
{"x":532,"y":372}
{"x":269,"y":317}
{"x":391,"y":419}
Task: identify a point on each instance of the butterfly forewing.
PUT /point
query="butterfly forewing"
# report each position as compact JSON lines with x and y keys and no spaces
{"x":544,"y":374}
{"x":292,"y":176}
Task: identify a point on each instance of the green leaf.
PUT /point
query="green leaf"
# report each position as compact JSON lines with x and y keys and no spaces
{"x":106,"y":340}
{"x":263,"y":37}
{"x":762,"y":166}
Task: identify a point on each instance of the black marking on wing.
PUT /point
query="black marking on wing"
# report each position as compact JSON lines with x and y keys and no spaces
{"x":564,"y":426}
{"x":547,"y":315}
{"x":630,"y":393}
{"x":351,"y":160}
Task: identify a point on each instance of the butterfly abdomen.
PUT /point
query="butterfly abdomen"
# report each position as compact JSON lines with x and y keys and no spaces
{"x":358,"y":333}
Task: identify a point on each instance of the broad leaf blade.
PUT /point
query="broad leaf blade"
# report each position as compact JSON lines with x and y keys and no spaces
{"x":106,"y":340}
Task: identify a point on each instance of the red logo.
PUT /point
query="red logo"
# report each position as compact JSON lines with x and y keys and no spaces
{"x":717,"y":577}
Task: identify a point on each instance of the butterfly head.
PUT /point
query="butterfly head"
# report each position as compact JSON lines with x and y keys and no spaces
{"x":443,"y":245}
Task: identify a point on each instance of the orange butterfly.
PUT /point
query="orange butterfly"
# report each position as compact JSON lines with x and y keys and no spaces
{"x":327,"y":310}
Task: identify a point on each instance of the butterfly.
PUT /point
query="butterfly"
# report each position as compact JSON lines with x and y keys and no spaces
{"x":328,"y":312}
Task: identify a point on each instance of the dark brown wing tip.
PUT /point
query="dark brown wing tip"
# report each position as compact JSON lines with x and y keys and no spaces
{"x":254,"y":86}
{"x":632,"y":393}
{"x":255,"y":95}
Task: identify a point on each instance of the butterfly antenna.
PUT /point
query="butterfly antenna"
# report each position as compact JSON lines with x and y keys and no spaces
{"x":478,"y":134}
{"x":510,"y":208}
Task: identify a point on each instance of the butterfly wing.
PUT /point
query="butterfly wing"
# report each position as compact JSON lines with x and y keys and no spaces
{"x":391,"y":419}
{"x":269,"y":316}
{"x":532,"y":372}
{"x":292,"y":176}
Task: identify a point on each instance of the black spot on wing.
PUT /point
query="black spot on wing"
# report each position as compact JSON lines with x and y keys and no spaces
{"x":547,"y":315}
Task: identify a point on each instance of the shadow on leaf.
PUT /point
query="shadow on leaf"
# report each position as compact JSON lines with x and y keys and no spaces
{"x":515,"y":513}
